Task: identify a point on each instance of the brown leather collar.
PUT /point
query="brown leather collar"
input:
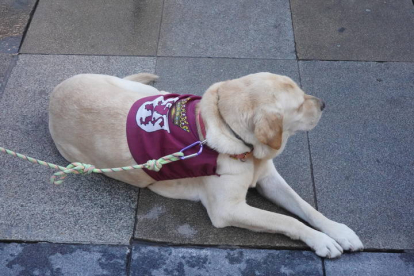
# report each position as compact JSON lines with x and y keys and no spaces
{"x":202,"y":126}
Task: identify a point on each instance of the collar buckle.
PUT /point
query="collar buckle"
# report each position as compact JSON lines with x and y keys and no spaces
{"x":242,"y":157}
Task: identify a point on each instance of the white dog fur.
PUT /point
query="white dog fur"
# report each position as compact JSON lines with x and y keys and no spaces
{"x":88,"y":119}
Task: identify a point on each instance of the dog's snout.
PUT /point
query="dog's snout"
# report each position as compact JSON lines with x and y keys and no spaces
{"x":322,"y":103}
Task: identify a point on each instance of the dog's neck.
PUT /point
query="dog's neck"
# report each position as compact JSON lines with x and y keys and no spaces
{"x":250,"y":146}
{"x":202,"y":134}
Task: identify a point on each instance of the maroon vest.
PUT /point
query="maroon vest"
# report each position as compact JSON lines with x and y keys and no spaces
{"x":164,"y":124}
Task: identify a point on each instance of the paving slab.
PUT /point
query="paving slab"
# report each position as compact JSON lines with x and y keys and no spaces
{"x":242,"y":29}
{"x":96,"y":27}
{"x":148,"y":259}
{"x":46,"y":259}
{"x":361,"y":149}
{"x":179,"y":221}
{"x":371,"y":264}
{"x":14,"y":17}
{"x":369,"y":30}
{"x":91,"y":208}
{"x":5,"y":62}
{"x":195,"y":75}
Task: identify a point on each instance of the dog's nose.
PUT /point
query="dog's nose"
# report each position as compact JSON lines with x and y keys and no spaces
{"x":322,"y":105}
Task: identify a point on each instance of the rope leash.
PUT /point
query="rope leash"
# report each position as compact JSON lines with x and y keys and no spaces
{"x":82,"y":168}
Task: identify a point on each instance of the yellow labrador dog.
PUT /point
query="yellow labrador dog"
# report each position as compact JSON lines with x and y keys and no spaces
{"x":88,"y":120}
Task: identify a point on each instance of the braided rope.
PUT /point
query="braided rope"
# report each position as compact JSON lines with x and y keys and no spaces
{"x":82,"y":168}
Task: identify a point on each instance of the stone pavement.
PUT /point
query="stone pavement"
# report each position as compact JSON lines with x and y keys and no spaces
{"x":356,"y":166}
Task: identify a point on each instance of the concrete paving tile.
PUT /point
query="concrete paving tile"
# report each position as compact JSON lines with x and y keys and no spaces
{"x":361,"y":150}
{"x":150,"y":259}
{"x":242,"y":29}
{"x":5,"y":61}
{"x":195,"y":75}
{"x":175,"y":221}
{"x":367,"y":30}
{"x":104,"y":27}
{"x":371,"y":264}
{"x":65,"y":260}
{"x":89,"y":208}
{"x":14,"y":16}
{"x":179,"y":221}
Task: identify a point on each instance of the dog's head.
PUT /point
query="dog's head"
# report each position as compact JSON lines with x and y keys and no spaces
{"x":264,"y":109}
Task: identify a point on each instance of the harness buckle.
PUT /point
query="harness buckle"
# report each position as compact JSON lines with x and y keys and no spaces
{"x":200,"y":143}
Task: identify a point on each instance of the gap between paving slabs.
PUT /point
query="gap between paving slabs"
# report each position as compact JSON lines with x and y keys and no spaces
{"x":7,"y":62}
{"x":15,"y":17}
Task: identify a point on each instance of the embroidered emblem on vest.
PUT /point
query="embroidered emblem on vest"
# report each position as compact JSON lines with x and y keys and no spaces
{"x":179,"y":114}
{"x":153,"y":115}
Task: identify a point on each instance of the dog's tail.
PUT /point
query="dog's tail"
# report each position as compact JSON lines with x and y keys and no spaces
{"x":144,"y":78}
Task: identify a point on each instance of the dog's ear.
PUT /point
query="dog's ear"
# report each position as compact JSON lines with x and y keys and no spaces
{"x":268,"y":128}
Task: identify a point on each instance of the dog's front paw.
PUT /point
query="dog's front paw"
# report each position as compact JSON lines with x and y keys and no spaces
{"x":323,"y":245}
{"x":344,"y":235}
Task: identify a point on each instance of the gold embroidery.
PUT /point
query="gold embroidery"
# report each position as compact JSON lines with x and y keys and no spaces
{"x":179,"y":114}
